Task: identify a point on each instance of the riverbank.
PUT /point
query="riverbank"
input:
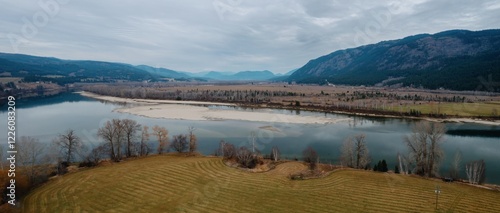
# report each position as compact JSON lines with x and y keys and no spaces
{"x":189,"y":113}
{"x":198,"y":111}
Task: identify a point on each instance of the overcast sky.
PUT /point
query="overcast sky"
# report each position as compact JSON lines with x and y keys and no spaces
{"x":224,"y":35}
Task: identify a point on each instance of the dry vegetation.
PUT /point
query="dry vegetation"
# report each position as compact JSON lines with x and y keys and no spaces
{"x":377,"y":100}
{"x":203,"y":184}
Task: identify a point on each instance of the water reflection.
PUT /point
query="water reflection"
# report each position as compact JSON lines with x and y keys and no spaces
{"x":44,"y":119}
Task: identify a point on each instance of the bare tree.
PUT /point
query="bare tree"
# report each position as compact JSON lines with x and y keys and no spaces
{"x":69,"y":144}
{"x":107,"y":132}
{"x":227,"y":150}
{"x":354,"y":152}
{"x":361,"y":150}
{"x":29,"y":154}
{"x":311,"y":157}
{"x":245,"y":157}
{"x":144,"y":149}
{"x":161,"y":134}
{"x":403,"y":164}
{"x":275,"y":154}
{"x":193,"y":141}
{"x":424,"y":147}
{"x":455,"y":165}
{"x":131,"y":127}
{"x":119,"y":134}
{"x":347,"y":153}
{"x":252,"y":140}
{"x":476,"y":171}
{"x":179,"y":143}
{"x":98,"y":153}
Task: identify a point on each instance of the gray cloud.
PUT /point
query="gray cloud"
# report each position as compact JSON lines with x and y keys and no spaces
{"x":228,"y":35}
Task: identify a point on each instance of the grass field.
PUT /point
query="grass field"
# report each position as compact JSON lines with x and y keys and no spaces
{"x":5,"y":80}
{"x":460,"y":109}
{"x":203,"y":184}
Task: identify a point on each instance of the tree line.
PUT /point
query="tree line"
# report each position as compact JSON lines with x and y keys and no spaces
{"x":125,"y":138}
{"x":121,"y":138}
{"x":424,"y":157}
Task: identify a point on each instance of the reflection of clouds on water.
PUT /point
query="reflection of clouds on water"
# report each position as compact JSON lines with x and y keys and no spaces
{"x":384,"y":136}
{"x":329,"y":133}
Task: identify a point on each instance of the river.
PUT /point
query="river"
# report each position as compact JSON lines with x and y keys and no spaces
{"x":45,"y":118}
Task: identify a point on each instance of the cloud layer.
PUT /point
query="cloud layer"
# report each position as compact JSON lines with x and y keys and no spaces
{"x":225,"y":35}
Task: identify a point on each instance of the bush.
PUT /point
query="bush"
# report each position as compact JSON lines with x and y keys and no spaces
{"x":62,"y":168}
{"x":87,"y":163}
{"x":247,"y":159}
{"x":311,"y":157}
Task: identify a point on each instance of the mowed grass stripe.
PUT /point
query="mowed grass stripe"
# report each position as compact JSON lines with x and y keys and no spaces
{"x":200,"y":184}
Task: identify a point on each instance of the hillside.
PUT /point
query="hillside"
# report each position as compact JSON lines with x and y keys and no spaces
{"x":203,"y":184}
{"x":34,"y":68}
{"x":237,"y":76}
{"x":457,"y":59}
{"x":163,"y":72}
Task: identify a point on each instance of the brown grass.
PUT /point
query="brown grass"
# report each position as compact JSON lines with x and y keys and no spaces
{"x":481,"y":104}
{"x":202,"y":184}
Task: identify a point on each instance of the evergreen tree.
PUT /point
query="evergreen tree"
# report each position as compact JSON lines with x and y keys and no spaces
{"x":384,"y":166}
{"x":396,"y":169}
{"x":379,"y":166}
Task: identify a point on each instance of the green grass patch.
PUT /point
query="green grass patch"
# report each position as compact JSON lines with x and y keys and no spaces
{"x":460,"y":109}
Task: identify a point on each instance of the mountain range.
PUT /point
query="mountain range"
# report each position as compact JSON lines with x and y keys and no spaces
{"x":456,"y":59}
{"x":34,"y":68}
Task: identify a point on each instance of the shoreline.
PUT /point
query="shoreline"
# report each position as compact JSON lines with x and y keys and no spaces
{"x":260,"y":106}
{"x":147,"y":101}
{"x":198,"y":111}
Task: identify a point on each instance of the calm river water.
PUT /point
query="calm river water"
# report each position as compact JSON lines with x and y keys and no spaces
{"x":46,"y":118}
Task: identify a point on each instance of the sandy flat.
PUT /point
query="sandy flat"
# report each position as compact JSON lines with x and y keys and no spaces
{"x":190,"y":110}
{"x":174,"y":110}
{"x":200,"y":113}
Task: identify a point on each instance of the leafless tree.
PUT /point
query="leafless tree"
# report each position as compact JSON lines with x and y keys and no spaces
{"x":252,"y":140}
{"x":144,"y":149}
{"x":275,"y":154}
{"x":476,"y":172}
{"x":347,"y":153}
{"x":131,"y":127}
{"x":29,"y":154}
{"x":354,"y":152}
{"x":69,"y":144}
{"x":193,"y":141}
{"x":311,"y":157}
{"x":403,"y":164}
{"x":119,"y":134}
{"x":179,"y":143}
{"x":424,"y":147}
{"x":361,"y":150}
{"x":227,"y":150}
{"x":107,"y":132}
{"x":245,"y":157}
{"x":161,"y":134}
{"x":98,"y":153}
{"x":455,"y":165}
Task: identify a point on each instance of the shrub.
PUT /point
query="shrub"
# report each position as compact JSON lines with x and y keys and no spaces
{"x":311,"y":157}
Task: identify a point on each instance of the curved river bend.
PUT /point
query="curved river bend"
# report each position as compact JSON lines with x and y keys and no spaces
{"x":46,"y":118}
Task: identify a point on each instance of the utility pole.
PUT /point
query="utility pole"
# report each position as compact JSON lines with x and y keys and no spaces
{"x":437,"y":191}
